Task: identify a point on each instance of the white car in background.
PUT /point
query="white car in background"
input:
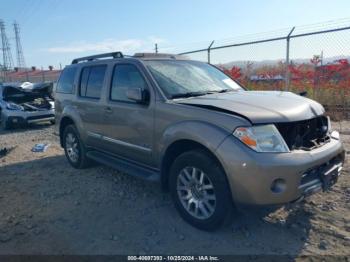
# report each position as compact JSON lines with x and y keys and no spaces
{"x":26,"y":103}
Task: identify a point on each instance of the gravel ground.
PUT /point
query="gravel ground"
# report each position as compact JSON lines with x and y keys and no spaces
{"x":47,"y":207}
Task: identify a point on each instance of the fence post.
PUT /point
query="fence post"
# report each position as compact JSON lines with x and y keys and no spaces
{"x":287,"y":61}
{"x":212,"y":42}
{"x":27,"y":75}
{"x":6,"y":76}
{"x":43,"y":73}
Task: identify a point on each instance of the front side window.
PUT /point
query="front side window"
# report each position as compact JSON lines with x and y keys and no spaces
{"x":91,"y":81}
{"x":66,"y":81}
{"x":179,"y":77}
{"x":126,"y":76}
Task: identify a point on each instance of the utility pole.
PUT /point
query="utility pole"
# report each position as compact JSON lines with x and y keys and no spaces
{"x":287,"y":60}
{"x":20,"y":57}
{"x":6,"y":51}
{"x":156,"y":48}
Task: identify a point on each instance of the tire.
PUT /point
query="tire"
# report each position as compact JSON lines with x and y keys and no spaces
{"x":213,"y":213}
{"x":72,"y":144}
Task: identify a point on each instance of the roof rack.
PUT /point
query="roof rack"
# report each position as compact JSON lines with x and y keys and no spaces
{"x":158,"y":55}
{"x":94,"y":57}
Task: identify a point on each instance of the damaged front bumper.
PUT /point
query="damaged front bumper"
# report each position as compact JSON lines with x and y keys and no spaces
{"x":269,"y":179}
{"x":321,"y":178}
{"x":14,"y":117}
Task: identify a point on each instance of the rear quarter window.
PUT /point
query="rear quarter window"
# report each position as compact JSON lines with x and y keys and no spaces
{"x":66,"y":81}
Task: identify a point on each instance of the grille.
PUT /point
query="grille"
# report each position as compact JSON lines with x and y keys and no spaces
{"x":306,"y":134}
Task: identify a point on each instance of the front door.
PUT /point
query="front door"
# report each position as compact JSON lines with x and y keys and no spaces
{"x":129,"y":125}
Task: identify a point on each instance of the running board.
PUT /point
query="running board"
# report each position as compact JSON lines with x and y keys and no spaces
{"x":124,"y":166}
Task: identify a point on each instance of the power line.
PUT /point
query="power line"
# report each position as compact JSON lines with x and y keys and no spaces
{"x":23,"y":10}
{"x":30,"y":12}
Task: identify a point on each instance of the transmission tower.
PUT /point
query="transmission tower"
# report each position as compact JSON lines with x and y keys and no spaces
{"x":6,"y":51}
{"x":20,"y":57}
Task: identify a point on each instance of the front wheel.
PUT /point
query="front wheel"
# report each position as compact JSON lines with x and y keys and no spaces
{"x":200,"y":191}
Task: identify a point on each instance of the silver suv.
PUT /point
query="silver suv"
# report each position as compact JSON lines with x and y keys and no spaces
{"x":185,"y":123}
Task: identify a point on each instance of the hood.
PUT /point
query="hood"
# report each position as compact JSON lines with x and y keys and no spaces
{"x":260,"y":106}
{"x":20,"y":94}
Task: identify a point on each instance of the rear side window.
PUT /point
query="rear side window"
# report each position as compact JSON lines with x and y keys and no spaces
{"x":125,"y":77}
{"x":91,"y":81}
{"x":66,"y":81}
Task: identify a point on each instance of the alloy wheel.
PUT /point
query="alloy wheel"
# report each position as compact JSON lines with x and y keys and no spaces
{"x":72,"y":147}
{"x":196,"y":192}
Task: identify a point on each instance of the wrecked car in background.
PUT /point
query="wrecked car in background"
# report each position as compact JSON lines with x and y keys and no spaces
{"x":26,"y":103}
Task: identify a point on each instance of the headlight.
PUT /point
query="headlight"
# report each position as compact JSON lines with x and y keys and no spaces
{"x":262,"y":138}
{"x":13,"y":106}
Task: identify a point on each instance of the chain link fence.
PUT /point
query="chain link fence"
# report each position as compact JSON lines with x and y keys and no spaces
{"x":316,"y":62}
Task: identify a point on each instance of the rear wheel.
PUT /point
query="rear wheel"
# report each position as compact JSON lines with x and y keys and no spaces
{"x":200,"y":190}
{"x":74,"y":148}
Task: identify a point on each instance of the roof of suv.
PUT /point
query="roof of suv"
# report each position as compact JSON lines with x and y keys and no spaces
{"x":119,"y":55}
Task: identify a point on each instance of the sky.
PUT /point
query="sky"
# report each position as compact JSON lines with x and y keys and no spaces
{"x":53,"y":32}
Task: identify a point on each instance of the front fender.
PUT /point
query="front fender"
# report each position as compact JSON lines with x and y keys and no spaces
{"x":208,"y":135}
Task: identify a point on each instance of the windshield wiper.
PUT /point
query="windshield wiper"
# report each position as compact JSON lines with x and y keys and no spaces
{"x":188,"y":94}
{"x":219,"y":91}
{"x":225,"y":90}
{"x":200,"y":93}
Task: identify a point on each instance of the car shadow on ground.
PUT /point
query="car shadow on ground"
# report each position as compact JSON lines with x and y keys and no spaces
{"x":50,"y":208}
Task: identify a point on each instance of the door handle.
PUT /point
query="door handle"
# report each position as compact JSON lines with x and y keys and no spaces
{"x":108,"y":110}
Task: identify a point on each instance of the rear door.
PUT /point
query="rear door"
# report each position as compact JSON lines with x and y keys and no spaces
{"x":89,"y":101}
{"x":129,"y":125}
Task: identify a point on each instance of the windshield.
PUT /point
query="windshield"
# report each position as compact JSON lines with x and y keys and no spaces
{"x":189,"y":78}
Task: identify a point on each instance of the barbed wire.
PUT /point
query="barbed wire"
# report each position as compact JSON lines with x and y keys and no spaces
{"x":283,"y":32}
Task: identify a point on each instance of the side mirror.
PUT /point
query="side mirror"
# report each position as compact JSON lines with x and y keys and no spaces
{"x":138,"y":95}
